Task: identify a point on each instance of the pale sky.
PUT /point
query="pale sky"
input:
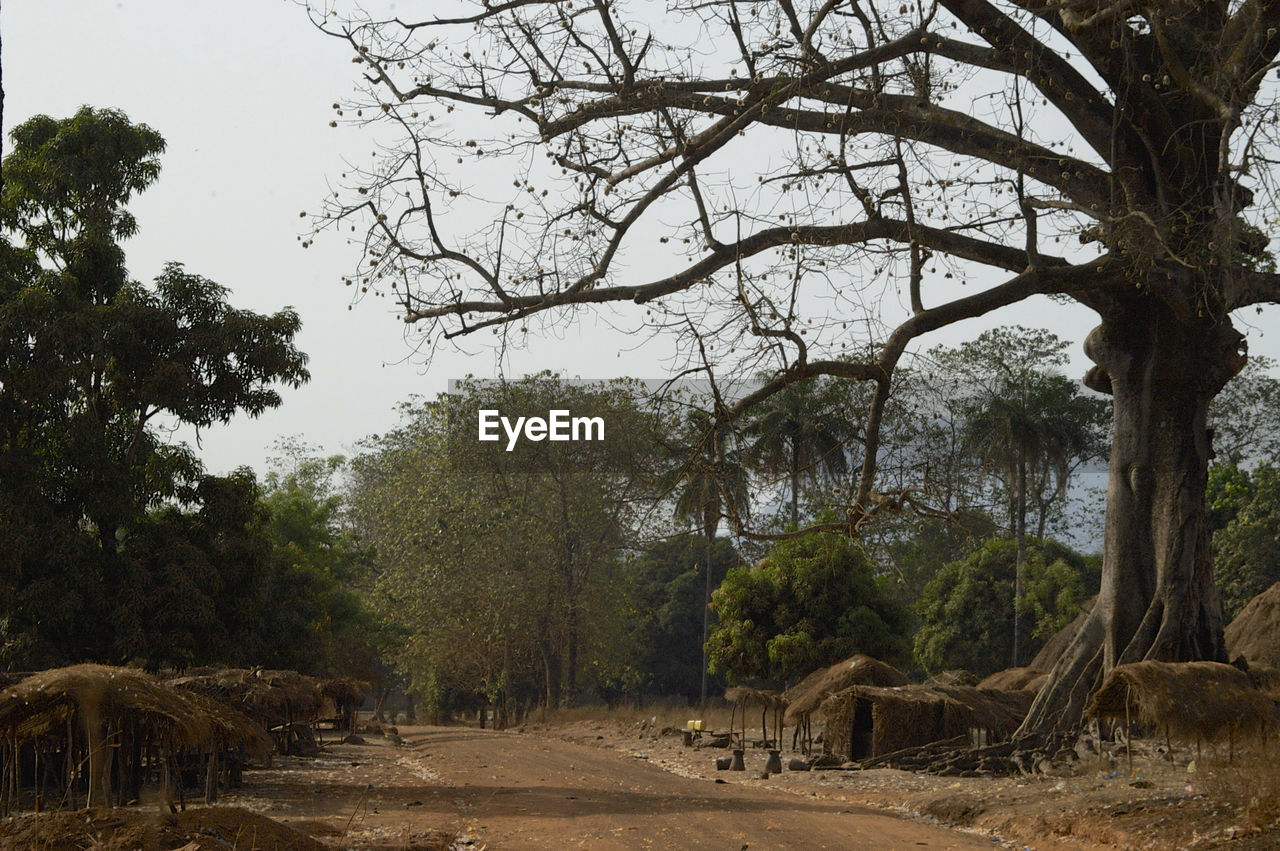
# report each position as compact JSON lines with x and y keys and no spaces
{"x":242,"y":91}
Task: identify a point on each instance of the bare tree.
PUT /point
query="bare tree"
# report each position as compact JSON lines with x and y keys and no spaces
{"x":776,"y":177}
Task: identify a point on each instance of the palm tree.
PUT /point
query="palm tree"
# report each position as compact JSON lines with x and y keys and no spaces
{"x":1032,"y":431}
{"x":801,"y":432}
{"x":709,"y":481}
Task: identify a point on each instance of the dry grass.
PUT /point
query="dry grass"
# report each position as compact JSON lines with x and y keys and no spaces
{"x":1255,"y":633}
{"x":1249,"y":785}
{"x":1187,"y":700}
{"x":807,"y":696}
{"x":1015,"y":679}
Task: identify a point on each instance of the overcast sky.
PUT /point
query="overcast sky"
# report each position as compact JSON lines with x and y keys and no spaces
{"x":242,"y":91}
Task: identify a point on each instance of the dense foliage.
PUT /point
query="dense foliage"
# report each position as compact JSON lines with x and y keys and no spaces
{"x":1244,"y":509}
{"x":99,"y":562}
{"x":967,"y":611}
{"x":666,"y":582}
{"x":503,"y":568}
{"x":813,"y":601}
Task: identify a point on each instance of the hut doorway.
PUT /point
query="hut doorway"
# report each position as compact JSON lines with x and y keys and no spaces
{"x":862,"y":738}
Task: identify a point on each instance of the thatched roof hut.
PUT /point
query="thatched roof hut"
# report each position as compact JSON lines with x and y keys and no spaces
{"x":869,"y":721}
{"x":1255,"y":632}
{"x":1015,"y":679}
{"x":344,"y":691}
{"x":1186,"y":700}
{"x":100,"y":716}
{"x":745,"y":696}
{"x":804,"y":698}
{"x":45,"y":701}
{"x":271,"y":697}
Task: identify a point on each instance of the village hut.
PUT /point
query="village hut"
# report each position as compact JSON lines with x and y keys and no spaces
{"x":285,"y":702}
{"x":743,"y":697}
{"x":871,"y":721}
{"x":1189,"y":701}
{"x":347,"y":696}
{"x":101,"y":729}
{"x":1266,"y":679}
{"x":1015,"y":679}
{"x":1255,"y":632}
{"x":806,"y":697}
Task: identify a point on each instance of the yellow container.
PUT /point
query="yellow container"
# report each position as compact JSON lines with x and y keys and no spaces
{"x":698,"y":725}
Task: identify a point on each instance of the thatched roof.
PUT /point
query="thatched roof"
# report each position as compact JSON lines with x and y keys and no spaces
{"x":806,"y":696}
{"x":1191,"y":700}
{"x":746,"y":696}
{"x":1266,"y":679}
{"x":1015,"y":679}
{"x":344,"y":690}
{"x":1255,"y":633}
{"x":271,"y":697}
{"x":45,"y":701}
{"x":233,"y":728}
{"x":1060,"y":640}
{"x":914,"y":715}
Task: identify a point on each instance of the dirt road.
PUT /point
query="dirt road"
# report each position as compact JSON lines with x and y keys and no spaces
{"x":505,"y":790}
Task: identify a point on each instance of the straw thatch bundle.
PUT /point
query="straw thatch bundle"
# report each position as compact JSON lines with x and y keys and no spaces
{"x":101,"y":695}
{"x":344,"y":691}
{"x":807,"y":696}
{"x":1255,"y":632}
{"x":272,"y":697}
{"x":1188,"y":700}
{"x":867,"y":721}
{"x":1266,"y":679}
{"x":1015,"y":679}
{"x":745,"y":696}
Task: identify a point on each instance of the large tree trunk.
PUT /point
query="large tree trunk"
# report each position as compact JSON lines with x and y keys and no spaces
{"x":1157,"y":599}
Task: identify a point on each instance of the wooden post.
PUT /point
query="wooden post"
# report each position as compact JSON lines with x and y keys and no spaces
{"x":211,"y":777}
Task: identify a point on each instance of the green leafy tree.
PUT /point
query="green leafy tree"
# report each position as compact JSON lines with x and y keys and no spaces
{"x":89,"y":362}
{"x":502,"y":567}
{"x":813,"y":601}
{"x":965,"y":617}
{"x":320,"y":572}
{"x":1246,"y":542}
{"x":1028,"y":426}
{"x":666,"y":582}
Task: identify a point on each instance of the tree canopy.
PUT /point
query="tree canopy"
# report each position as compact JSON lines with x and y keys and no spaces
{"x":810,"y":602}
{"x":502,"y":569}
{"x":107,"y":525}
{"x":808,"y":167}
{"x":966,"y":620}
